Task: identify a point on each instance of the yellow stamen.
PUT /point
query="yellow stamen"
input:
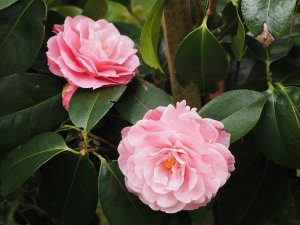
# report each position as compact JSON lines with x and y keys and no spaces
{"x":169,"y":163}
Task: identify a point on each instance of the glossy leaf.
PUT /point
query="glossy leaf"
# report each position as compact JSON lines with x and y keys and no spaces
{"x":29,"y":104}
{"x":88,"y":107}
{"x":279,"y":49}
{"x":68,"y":191}
{"x":276,"y":13}
{"x":140,"y":97}
{"x":119,"y":206}
{"x":6,"y":3}
{"x":240,"y":111}
{"x":256,"y":190}
{"x":95,"y":9}
{"x":280,"y":127}
{"x":21,"y":35}
{"x":20,"y":164}
{"x":150,"y":35}
{"x":202,"y":60}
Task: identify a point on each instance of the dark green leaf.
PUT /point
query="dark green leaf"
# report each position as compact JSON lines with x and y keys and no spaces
{"x":202,"y":60}
{"x":68,"y":191}
{"x":278,"y":131}
{"x":198,"y":215}
{"x":20,"y":164}
{"x":238,"y":110}
{"x":150,"y":35}
{"x":21,"y":35}
{"x":256,"y":190}
{"x":292,"y":78}
{"x":140,"y":97}
{"x":276,"y":51}
{"x":29,"y":104}
{"x":6,"y":3}
{"x":277,"y":14}
{"x":88,"y":107}
{"x":238,"y":38}
{"x":95,"y":9}
{"x":119,"y":206}
{"x":250,"y":73}
{"x":67,"y":10}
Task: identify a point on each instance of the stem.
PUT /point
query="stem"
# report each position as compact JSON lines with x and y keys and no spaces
{"x":73,"y":151}
{"x":84,"y":150}
{"x":268,"y":71}
{"x":211,"y":7}
{"x":177,"y":23}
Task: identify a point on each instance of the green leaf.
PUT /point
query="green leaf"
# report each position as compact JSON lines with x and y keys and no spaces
{"x":66,"y":10}
{"x":256,"y":190}
{"x":140,"y":97}
{"x":95,"y":9}
{"x":231,"y":15}
{"x":119,"y":13}
{"x":6,"y":3}
{"x":240,"y":112}
{"x":119,"y":206}
{"x":21,"y":35}
{"x":150,"y":35}
{"x":280,"y":127}
{"x":279,"y":49}
{"x":88,"y":107}
{"x":200,"y":59}
{"x":126,"y":3}
{"x":20,"y":164}
{"x":276,"y":13}
{"x":68,"y":191}
{"x":29,"y":104}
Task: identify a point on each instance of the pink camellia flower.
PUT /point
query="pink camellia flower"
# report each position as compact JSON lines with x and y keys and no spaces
{"x":175,"y":160}
{"x":91,"y":54}
{"x":68,"y":91}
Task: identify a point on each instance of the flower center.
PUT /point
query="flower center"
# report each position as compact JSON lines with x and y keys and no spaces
{"x":169,"y":163}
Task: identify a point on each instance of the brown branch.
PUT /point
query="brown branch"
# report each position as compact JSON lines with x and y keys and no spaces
{"x":177,"y":23}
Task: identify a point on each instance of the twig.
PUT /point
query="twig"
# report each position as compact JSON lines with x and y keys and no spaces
{"x":227,"y":30}
{"x":103,"y":141}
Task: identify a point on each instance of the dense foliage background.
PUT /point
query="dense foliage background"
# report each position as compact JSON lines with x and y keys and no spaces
{"x":47,"y":179}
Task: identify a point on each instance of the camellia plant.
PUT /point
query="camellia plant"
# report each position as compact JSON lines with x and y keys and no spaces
{"x":149,"y":112}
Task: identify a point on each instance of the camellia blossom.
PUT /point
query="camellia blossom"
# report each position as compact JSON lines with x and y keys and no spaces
{"x":68,"y":91}
{"x":175,"y":160}
{"x":91,"y":54}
